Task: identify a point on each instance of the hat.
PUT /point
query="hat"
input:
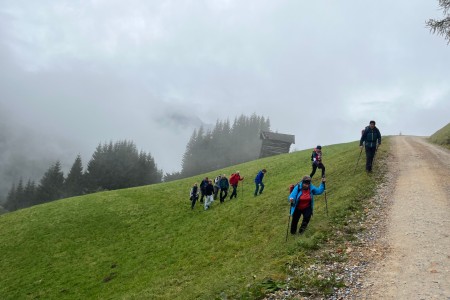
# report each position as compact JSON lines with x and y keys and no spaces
{"x":306,"y":177}
{"x":319,"y":147}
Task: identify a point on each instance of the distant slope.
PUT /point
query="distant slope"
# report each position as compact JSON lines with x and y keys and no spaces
{"x":442,"y":136}
{"x":146,"y":242}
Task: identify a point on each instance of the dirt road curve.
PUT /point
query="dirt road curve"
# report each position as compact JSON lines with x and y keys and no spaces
{"x":417,"y":266}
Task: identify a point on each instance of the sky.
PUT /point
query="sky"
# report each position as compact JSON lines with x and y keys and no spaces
{"x":78,"y":73}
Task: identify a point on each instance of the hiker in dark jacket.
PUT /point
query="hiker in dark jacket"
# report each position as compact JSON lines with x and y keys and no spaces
{"x":259,"y":182}
{"x":371,"y":138}
{"x":216,"y":186}
{"x":224,"y":185}
{"x":302,"y":202}
{"x":194,"y":195}
{"x":316,"y":158}
{"x":209,"y":191}
{"x":234,"y":181}
{"x":203,"y":185}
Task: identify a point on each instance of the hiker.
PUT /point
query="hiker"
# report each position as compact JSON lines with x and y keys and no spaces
{"x":316,"y":158}
{"x":216,"y":186}
{"x":234,"y":181}
{"x":259,"y":182}
{"x":203,"y":185}
{"x":194,"y":195}
{"x":224,"y":185}
{"x":209,"y":191}
{"x":302,"y":202}
{"x":371,"y":137}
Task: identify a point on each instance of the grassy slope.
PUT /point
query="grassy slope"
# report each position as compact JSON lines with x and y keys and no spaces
{"x":146,"y":242}
{"x":442,"y":136}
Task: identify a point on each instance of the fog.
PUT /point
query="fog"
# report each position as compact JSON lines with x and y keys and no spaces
{"x":75,"y":74}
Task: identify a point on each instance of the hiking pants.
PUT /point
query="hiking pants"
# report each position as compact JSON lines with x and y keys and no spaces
{"x":307,"y":213}
{"x":208,"y":201}
{"x":216,"y":191}
{"x":257,"y":188}
{"x":315,"y":166}
{"x":193,"y":200}
{"x":370,"y":154}
{"x":202,"y":195}
{"x":223,"y":194}
{"x":234,"y":193}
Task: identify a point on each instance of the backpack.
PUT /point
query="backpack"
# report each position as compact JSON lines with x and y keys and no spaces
{"x":292,"y":186}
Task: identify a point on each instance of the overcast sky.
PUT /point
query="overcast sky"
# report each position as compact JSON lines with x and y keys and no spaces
{"x":77,"y":73}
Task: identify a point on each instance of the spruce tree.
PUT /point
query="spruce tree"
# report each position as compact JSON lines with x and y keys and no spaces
{"x":51,"y":185}
{"x":74,"y":184}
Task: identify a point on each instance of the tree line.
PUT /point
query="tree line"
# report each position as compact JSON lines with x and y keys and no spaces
{"x":120,"y":165}
{"x":112,"y":166}
{"x":222,"y":146}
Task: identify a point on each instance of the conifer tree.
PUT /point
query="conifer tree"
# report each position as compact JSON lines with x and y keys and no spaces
{"x":74,"y":184}
{"x":51,"y":185}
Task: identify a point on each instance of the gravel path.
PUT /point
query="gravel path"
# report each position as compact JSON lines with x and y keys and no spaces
{"x":414,"y":260}
{"x":404,"y":250}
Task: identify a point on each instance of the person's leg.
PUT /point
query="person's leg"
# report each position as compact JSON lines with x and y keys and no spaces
{"x":194,"y":199}
{"x":256,"y":189}
{"x":202,"y":195}
{"x":225,"y":195}
{"x":314,"y":166}
{"x":262,"y":188}
{"x":370,"y":152}
{"x":295,"y":219}
{"x":234,"y":192}
{"x":322,"y":166}
{"x":307,"y":213}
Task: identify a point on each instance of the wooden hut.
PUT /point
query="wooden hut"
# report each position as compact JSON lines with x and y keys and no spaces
{"x":275,"y":143}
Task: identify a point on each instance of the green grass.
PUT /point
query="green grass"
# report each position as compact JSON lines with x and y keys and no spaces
{"x":146,"y":242}
{"x":442,"y":136}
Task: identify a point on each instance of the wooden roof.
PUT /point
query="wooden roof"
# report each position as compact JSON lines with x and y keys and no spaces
{"x":287,"y":138}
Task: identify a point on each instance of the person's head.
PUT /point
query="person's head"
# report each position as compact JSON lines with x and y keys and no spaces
{"x":210,"y":181}
{"x":306,"y":182}
{"x":372,"y":124}
{"x":195,"y":184}
{"x":264,"y":170}
{"x":237,"y":172}
{"x":319,"y":147}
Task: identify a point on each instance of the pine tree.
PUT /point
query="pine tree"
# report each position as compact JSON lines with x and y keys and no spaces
{"x":51,"y":185}
{"x":74,"y":183}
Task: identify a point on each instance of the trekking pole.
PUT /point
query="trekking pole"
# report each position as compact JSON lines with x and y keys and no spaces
{"x":289,"y":221}
{"x":358,"y":160}
{"x":326,"y":202}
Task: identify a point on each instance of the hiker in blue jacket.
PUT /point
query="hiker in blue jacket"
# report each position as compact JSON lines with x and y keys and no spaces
{"x":302,"y":202}
{"x":371,"y":138}
{"x":259,"y":182}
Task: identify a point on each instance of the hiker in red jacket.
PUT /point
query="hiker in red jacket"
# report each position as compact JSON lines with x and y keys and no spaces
{"x":234,"y":181}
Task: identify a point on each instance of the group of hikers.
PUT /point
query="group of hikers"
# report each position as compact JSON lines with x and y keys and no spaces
{"x":209,"y":191}
{"x":302,"y":194}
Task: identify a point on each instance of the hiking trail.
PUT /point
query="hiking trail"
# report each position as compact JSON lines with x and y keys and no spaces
{"x":417,"y":262}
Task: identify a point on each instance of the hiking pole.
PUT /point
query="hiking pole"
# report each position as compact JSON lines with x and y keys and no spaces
{"x":358,"y":159}
{"x":326,"y":202}
{"x":289,"y":221}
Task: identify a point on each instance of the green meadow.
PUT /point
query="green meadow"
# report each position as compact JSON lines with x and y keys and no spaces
{"x":442,"y":136}
{"x":147,"y":243}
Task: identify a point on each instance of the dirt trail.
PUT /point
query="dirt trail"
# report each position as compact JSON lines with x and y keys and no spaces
{"x":417,"y":265}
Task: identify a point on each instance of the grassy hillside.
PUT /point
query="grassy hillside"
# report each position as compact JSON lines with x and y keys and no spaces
{"x":442,"y":136}
{"x":146,"y":242}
